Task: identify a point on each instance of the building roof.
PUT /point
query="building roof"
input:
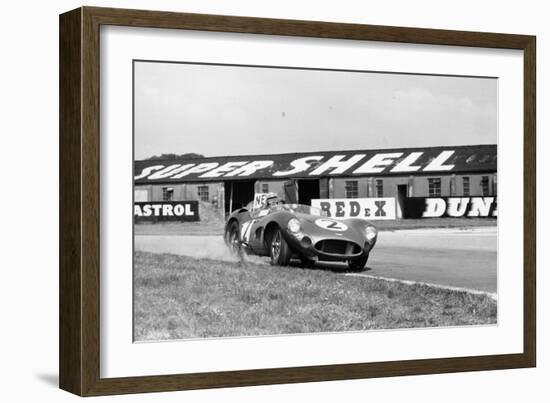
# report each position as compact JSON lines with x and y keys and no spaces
{"x":351,"y":163}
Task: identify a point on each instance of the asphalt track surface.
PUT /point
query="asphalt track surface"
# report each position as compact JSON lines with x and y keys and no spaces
{"x":447,"y":257}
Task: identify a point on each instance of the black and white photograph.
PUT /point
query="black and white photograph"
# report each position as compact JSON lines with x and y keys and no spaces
{"x":271,"y":200}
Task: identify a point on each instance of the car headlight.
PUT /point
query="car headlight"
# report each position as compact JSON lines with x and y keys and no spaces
{"x":370,"y":232}
{"x":294,"y":225}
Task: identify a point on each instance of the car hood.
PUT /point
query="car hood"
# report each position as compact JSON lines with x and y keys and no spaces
{"x":319,"y":228}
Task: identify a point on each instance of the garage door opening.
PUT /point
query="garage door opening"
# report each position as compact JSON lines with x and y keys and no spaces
{"x":402,"y":191}
{"x":238,"y":194}
{"x":308,"y":189}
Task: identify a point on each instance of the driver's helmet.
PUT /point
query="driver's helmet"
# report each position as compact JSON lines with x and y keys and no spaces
{"x":272,"y":199}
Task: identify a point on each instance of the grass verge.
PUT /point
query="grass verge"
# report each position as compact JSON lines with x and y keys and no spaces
{"x":180,"y":297}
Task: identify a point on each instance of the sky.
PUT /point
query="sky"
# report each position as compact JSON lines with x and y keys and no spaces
{"x":218,"y":110}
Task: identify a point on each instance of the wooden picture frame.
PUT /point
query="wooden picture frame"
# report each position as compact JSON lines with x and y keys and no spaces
{"x":79,"y":278}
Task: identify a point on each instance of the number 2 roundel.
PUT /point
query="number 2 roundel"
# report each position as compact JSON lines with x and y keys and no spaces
{"x":331,"y":225}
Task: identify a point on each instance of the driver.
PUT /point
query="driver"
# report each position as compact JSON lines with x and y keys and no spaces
{"x":271,"y":200}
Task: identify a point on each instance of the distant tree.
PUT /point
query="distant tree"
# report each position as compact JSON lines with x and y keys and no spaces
{"x":172,"y":156}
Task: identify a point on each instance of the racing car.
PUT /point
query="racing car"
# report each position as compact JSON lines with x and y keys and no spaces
{"x":284,"y":231}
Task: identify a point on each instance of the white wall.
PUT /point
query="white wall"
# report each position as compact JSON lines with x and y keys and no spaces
{"x":28,"y":294}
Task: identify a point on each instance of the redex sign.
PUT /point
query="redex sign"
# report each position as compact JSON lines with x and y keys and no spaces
{"x":379,"y":208}
{"x":430,"y":207}
{"x":166,"y":211}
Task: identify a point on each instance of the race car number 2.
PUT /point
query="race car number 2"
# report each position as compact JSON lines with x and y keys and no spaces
{"x":331,"y":225}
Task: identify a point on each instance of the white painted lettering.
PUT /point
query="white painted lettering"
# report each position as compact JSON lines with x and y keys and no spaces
{"x":338,"y":165}
{"x":145,"y":172}
{"x":434,"y":208}
{"x":456,"y":206}
{"x":179,"y":209}
{"x":377,"y":163}
{"x":227,"y":167}
{"x":203,"y":167}
{"x":299,"y":165}
{"x":175,"y":173}
{"x":164,"y":173}
{"x":437,"y":163}
{"x":250,"y":168}
{"x":480,"y":206}
{"x":405,"y":165}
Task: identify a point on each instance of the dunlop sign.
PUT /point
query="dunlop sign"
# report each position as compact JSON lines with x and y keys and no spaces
{"x":166,"y":211}
{"x":379,"y":208}
{"x":429,"y":207}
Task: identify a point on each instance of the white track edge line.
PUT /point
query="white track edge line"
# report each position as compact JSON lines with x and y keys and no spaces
{"x":492,"y":295}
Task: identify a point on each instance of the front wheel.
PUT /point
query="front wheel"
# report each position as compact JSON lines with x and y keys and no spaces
{"x":279,"y":250}
{"x":233,"y":240}
{"x":358,"y":264}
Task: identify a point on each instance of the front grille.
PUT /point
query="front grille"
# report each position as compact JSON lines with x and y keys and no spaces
{"x":338,"y":247}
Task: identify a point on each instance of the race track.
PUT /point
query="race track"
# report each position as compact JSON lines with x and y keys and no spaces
{"x":452,"y":258}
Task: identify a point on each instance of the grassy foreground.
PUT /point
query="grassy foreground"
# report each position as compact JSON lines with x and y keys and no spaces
{"x":181,"y":297}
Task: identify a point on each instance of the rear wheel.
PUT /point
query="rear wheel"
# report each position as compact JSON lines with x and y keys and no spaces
{"x":279,"y":250}
{"x":358,"y":264}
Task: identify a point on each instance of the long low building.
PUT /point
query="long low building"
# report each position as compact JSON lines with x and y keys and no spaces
{"x":230,"y":182}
